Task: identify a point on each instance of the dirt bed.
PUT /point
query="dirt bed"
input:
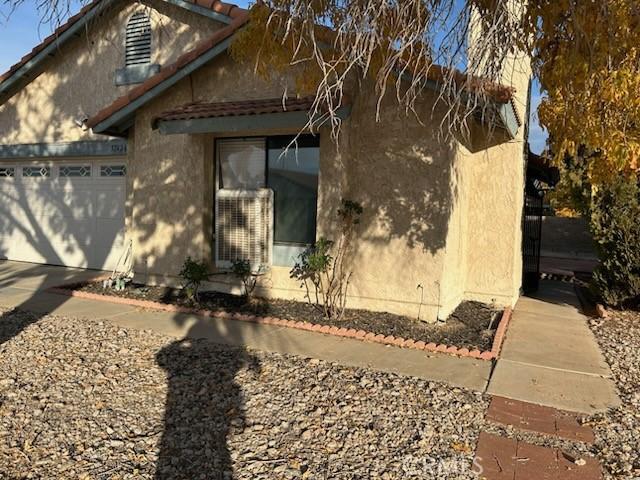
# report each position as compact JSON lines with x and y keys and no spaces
{"x":471,"y":325}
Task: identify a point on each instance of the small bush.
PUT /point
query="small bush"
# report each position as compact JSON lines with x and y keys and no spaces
{"x":322,"y":268}
{"x":615,"y":224}
{"x":193,"y":273}
{"x":249,"y":278}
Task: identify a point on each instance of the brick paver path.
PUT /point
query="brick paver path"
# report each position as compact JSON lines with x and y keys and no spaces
{"x":539,"y":419}
{"x":511,"y":459}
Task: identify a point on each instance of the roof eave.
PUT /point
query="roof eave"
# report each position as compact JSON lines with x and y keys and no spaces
{"x":247,"y":123}
{"x":121,"y":120}
{"x":13,"y":81}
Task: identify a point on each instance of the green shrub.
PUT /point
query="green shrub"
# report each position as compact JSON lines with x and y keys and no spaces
{"x":322,"y":268}
{"x":242,"y":270}
{"x":193,"y":273}
{"x":615,"y":224}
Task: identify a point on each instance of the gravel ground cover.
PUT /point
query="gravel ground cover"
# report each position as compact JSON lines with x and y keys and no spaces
{"x":618,"y":431}
{"x":471,"y":325}
{"x":84,"y":399}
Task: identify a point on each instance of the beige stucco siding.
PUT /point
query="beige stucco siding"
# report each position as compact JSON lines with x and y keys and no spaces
{"x":168,"y":181}
{"x":494,"y":191}
{"x":403,"y":174}
{"x":398,"y":168}
{"x":80,"y":79}
{"x":492,"y":244}
{"x":441,"y":222}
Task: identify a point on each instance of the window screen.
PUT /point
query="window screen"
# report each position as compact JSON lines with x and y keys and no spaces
{"x":242,"y":163}
{"x":294,"y":179}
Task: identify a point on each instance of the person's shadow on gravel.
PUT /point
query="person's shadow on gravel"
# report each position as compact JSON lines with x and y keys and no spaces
{"x":203,"y":403}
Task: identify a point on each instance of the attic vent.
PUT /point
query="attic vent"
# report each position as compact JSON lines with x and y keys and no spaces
{"x":244,"y":226}
{"x":138,"y":41}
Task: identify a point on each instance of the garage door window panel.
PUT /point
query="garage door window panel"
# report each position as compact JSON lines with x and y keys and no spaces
{"x":7,"y":172}
{"x":75,"y":171}
{"x":113,"y":171}
{"x":36,"y":172}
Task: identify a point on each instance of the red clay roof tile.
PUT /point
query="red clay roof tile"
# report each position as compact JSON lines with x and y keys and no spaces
{"x":194,"y":111}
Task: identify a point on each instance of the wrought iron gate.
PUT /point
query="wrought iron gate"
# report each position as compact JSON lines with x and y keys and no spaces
{"x":531,"y":239}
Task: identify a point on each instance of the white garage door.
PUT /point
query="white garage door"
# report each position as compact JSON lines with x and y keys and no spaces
{"x":63,"y":213}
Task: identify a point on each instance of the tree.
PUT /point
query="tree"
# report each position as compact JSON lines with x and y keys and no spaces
{"x":587,"y":58}
{"x":584,"y":52}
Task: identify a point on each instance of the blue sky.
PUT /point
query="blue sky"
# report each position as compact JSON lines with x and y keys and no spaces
{"x":23,"y":31}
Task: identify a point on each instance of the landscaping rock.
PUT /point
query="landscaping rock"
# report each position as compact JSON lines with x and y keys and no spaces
{"x":84,"y":399}
{"x":618,"y":430}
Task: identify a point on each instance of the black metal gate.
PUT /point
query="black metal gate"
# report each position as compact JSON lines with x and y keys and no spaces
{"x":531,"y":239}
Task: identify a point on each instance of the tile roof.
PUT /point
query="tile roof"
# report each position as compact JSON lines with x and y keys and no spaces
{"x":215,"y":5}
{"x":496,"y":91}
{"x":194,"y":111}
{"x":239,"y":17}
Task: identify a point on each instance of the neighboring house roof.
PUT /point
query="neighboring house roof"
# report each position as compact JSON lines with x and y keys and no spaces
{"x":24,"y":69}
{"x":228,"y":109}
{"x":539,"y":168}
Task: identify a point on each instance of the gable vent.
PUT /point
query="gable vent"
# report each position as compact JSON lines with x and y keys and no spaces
{"x":138,"y":40}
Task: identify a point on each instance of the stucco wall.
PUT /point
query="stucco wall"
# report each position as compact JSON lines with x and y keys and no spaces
{"x":404,"y":175}
{"x":398,"y":168}
{"x":80,"y":79}
{"x":493,"y":188}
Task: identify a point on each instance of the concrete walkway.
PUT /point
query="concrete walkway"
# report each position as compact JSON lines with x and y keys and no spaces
{"x":22,"y":285}
{"x":550,"y":356}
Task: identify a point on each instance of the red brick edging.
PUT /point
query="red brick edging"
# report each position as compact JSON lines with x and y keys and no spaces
{"x":312,"y":327}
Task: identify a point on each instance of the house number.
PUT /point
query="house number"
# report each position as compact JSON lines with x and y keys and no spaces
{"x":119,"y":148}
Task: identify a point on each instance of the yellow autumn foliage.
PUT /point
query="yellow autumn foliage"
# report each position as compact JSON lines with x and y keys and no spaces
{"x":586,"y":54}
{"x":587,"y":58}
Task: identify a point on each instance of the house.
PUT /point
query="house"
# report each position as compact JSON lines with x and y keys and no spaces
{"x":132,"y":125}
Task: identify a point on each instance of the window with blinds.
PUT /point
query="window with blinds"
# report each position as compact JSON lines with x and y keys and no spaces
{"x":242,"y":163}
{"x":138,"y":40}
{"x":251,"y":164}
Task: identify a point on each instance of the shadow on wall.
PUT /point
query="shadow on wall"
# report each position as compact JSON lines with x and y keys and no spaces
{"x":401,"y":172}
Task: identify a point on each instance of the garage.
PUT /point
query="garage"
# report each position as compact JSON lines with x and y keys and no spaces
{"x":63,"y":213}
